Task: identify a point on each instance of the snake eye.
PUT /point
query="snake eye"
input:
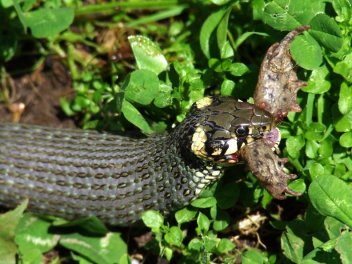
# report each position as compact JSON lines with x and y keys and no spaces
{"x":241,"y":131}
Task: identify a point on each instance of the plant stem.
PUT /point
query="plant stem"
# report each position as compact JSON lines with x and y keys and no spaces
{"x":88,"y":9}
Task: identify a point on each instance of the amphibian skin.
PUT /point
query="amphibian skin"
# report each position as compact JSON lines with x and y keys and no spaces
{"x":75,"y":173}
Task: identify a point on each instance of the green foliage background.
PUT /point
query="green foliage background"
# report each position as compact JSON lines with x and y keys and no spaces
{"x":184,"y":50}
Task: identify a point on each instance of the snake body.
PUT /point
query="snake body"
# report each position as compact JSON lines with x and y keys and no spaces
{"x":74,"y":173}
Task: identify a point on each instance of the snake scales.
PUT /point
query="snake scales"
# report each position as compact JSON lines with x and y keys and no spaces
{"x":78,"y":173}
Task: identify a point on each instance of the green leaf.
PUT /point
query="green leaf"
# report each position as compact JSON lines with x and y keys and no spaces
{"x":344,"y":67}
{"x":185,"y":215}
{"x":203,"y":222}
{"x":206,"y":202}
{"x":345,"y":123}
{"x":225,"y":245}
{"x":164,"y":97}
{"x":292,"y":241}
{"x":47,"y":23}
{"x":147,"y":54}
{"x":238,"y":69}
{"x":343,"y":246}
{"x":174,"y":236}
{"x":34,"y":239}
{"x":224,"y":46}
{"x":153,"y":219}
{"x":318,"y":83}
{"x":227,"y":87}
{"x":294,"y":144}
{"x":345,"y":98}
{"x":252,"y":256}
{"x":195,"y":245}
{"x":135,"y":117}
{"x":287,"y":15}
{"x":141,"y":86}
{"x":346,"y":140}
{"x":221,"y":220}
{"x":343,"y":8}
{"x":325,"y":30}
{"x":108,"y":249}
{"x":208,"y":28}
{"x":297,"y":185}
{"x":306,"y":52}
{"x":315,"y":131}
{"x":332,"y":197}
{"x":8,"y":225}
{"x":91,"y":225}
{"x":227,"y":195}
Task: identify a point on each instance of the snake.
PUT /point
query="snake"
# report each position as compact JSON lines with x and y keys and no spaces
{"x":76,"y":173}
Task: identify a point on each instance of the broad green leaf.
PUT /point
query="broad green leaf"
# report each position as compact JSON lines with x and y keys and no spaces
{"x":318,"y":83}
{"x":195,"y":244}
{"x":108,"y":249}
{"x":225,"y":245}
{"x":316,"y":169}
{"x":221,"y":220}
{"x":220,"y":2}
{"x":294,"y":144}
{"x":210,"y":243}
{"x":332,"y":197}
{"x":287,"y":15}
{"x":325,"y":30}
{"x":47,"y":23}
{"x":238,"y":69}
{"x":153,"y":219}
{"x":343,"y":246}
{"x":292,"y":241}
{"x":346,"y":140}
{"x":227,"y":87}
{"x":343,"y":8}
{"x":221,"y":35}
{"x":344,"y":124}
{"x":297,"y":185}
{"x":252,"y":256}
{"x":91,"y":225}
{"x":164,"y":97}
{"x":345,"y":98}
{"x":315,"y":131}
{"x":185,"y":215}
{"x":204,"y":202}
{"x":344,"y":67}
{"x":141,"y":86}
{"x":306,"y":52}
{"x":135,"y":117}
{"x":147,"y":54}
{"x":8,"y":225}
{"x":208,"y":28}
{"x":203,"y":222}
{"x":174,"y":236}
{"x":34,"y":239}
{"x":227,"y":195}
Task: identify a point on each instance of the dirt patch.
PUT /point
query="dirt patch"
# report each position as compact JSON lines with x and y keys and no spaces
{"x":38,"y":95}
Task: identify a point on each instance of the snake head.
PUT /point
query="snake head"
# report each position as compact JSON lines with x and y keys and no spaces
{"x":223,"y":125}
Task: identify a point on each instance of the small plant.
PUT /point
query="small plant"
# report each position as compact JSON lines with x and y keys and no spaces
{"x":174,"y":54}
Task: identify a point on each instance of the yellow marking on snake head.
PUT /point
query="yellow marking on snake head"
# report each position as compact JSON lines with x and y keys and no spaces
{"x":206,"y":101}
{"x":198,"y":142}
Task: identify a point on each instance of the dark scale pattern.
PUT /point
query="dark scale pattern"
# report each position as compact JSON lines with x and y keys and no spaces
{"x":77,"y":173}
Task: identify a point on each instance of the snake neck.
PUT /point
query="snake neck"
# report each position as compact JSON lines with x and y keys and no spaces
{"x":191,"y":173}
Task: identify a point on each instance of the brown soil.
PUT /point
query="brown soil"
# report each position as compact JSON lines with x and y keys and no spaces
{"x":34,"y":98}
